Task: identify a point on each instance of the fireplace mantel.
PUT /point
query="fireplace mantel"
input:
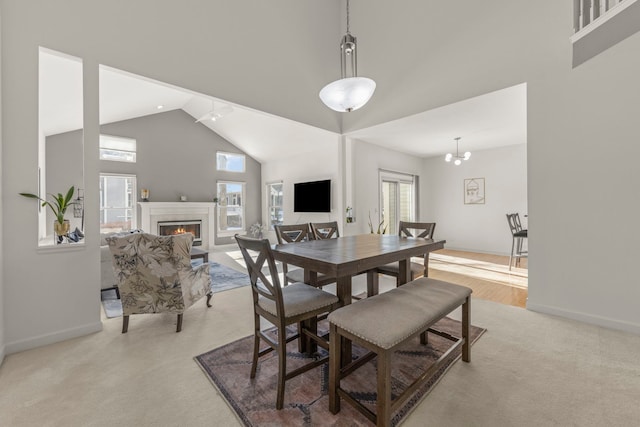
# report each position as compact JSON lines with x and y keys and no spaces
{"x":152,"y":212}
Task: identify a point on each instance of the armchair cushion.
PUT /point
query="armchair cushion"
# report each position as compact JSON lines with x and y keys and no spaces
{"x":154,"y":273}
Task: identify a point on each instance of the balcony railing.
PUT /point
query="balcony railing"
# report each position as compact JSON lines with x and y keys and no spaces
{"x":589,"y":14}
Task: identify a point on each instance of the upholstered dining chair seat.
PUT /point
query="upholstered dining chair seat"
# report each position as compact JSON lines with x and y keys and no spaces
{"x":521,"y":233}
{"x":299,"y":298}
{"x":297,"y":275}
{"x":393,"y":269}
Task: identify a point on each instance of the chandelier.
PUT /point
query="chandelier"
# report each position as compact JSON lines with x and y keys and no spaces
{"x":458,"y":158}
{"x":350,"y":92}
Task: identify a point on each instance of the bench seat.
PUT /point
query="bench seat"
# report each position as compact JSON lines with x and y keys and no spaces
{"x":382,"y":323}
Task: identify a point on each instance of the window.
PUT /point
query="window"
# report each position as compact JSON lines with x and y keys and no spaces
{"x":117,"y":149}
{"x":230,"y":162}
{"x":117,"y":196}
{"x":274,"y":204}
{"x":230,"y":207}
{"x":398,"y":199}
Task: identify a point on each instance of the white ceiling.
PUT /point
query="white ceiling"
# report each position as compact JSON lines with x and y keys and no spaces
{"x":488,"y":121}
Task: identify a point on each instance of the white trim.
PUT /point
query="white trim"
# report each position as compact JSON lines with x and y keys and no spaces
{"x":600,"y":20}
{"x":605,"y":322}
{"x":66,"y":334}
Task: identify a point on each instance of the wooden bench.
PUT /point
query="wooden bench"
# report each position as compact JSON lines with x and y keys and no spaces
{"x":381,"y":324}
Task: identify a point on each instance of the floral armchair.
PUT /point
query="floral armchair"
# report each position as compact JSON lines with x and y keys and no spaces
{"x":154,"y":274}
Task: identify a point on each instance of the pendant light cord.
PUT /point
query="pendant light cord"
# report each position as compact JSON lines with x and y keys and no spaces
{"x":348,"y":17}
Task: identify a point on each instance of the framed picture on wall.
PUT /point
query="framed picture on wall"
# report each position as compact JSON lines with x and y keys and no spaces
{"x":474,"y":191}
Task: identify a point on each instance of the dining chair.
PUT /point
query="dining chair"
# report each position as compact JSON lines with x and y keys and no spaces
{"x":295,"y":233}
{"x":517,"y":238}
{"x":411,"y":229}
{"x":297,"y":303}
{"x":325,"y":230}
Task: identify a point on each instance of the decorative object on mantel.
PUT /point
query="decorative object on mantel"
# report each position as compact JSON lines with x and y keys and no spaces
{"x":458,"y":158}
{"x":59,"y":206}
{"x":474,"y":191}
{"x":348,"y":93}
{"x":215,"y":199}
{"x":183,"y":198}
{"x":144,"y":194}
{"x":380,"y":229}
{"x":350,"y":217}
{"x":256,"y":230}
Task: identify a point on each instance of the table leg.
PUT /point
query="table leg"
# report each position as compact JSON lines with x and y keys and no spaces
{"x":343,"y":289}
{"x":373,"y":285}
{"x":310,"y":277}
{"x":404,"y":271}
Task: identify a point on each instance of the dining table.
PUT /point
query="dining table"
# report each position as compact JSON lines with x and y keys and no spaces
{"x":347,"y":256}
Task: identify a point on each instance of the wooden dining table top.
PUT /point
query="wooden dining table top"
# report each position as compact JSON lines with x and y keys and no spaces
{"x":351,"y":255}
{"x":348,"y":256}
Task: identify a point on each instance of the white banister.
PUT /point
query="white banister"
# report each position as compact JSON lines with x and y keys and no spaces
{"x":590,"y":14}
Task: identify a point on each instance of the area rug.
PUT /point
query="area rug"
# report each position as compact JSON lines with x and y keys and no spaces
{"x":306,"y":402}
{"x":223,"y":278}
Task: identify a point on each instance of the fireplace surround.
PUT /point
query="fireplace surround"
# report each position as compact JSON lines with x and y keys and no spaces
{"x":153,"y":213}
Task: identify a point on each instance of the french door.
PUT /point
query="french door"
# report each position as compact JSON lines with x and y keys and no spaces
{"x":397,"y":199}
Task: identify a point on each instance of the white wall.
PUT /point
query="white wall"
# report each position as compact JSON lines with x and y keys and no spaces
{"x":478,"y":228}
{"x":1,"y":223}
{"x":368,"y":159}
{"x":314,"y":166}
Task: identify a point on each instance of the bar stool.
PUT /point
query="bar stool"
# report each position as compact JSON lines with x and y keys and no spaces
{"x":518,"y":236}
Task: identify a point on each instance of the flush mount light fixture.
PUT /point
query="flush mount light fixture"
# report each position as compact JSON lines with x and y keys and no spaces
{"x":457,"y":159}
{"x":216,"y":112}
{"x":350,"y":92}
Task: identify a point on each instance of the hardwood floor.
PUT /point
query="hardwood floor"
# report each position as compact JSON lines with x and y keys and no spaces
{"x":488,"y":275}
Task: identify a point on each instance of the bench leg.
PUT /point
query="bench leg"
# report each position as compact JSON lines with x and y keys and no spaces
{"x":334,"y":369}
{"x":383,"y":404}
{"x":466,"y":346}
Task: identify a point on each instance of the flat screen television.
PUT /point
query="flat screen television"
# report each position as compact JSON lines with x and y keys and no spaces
{"x":314,"y":196}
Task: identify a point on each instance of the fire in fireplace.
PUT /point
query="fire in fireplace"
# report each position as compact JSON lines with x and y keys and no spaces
{"x":169,"y":228}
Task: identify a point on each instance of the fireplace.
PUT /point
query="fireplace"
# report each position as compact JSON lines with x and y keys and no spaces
{"x":169,"y":228}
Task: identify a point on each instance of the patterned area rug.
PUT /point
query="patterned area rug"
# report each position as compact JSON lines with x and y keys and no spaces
{"x":306,"y":402}
{"x":223,"y":278}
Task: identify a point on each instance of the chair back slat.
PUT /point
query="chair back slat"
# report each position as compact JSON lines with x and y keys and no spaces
{"x":421,"y":229}
{"x":260,"y":284}
{"x":325,"y":230}
{"x":293,"y":233}
{"x":514,"y":222}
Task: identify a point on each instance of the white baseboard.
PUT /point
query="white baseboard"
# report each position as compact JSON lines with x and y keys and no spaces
{"x":605,"y":322}
{"x":39,"y":341}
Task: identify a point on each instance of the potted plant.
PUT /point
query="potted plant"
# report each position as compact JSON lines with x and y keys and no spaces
{"x":58,"y":206}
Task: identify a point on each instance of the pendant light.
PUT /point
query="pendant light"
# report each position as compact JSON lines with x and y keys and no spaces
{"x":458,"y":158}
{"x":350,"y":92}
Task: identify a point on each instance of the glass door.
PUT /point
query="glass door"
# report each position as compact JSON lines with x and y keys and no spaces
{"x":397,"y":199}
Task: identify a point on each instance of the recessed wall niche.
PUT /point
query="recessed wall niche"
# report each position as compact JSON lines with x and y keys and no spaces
{"x":60,"y":143}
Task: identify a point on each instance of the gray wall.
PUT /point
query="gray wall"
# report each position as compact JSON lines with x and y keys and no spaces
{"x":176,"y":156}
